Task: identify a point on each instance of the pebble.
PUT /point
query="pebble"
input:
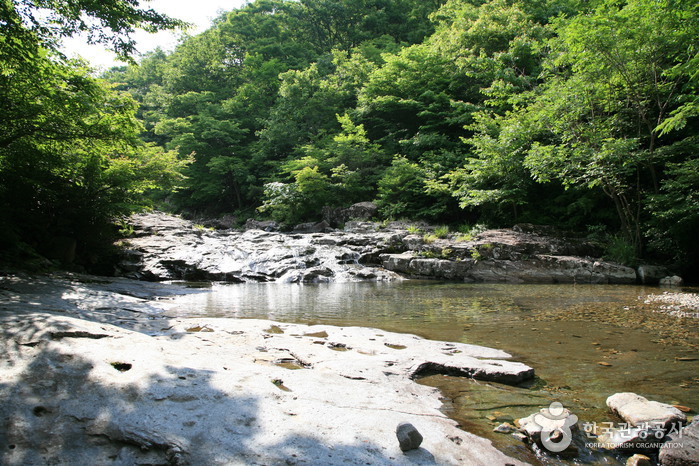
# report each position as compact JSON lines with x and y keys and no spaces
{"x":638,"y":460}
{"x":505,"y":428}
{"x":408,"y":436}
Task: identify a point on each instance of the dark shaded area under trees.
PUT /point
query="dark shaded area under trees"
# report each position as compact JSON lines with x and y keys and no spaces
{"x":71,"y":159}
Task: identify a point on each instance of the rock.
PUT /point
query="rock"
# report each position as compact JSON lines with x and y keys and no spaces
{"x":461,"y":365}
{"x":165,"y":247}
{"x":268,"y":225}
{"x":638,"y":460}
{"x":638,"y":411}
{"x":551,"y":428}
{"x":312,"y":227}
{"x":505,"y":428}
{"x":674,"y":280}
{"x":648,"y":422}
{"x":537,"y":269}
{"x":681,"y":448}
{"x":650,"y":274}
{"x":361,"y":211}
{"x":408,"y":436}
{"x":105,"y":376}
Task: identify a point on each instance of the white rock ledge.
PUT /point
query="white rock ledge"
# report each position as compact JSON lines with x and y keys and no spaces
{"x":218,"y":391}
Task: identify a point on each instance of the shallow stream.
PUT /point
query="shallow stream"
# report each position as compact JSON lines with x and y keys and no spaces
{"x":585,"y":342}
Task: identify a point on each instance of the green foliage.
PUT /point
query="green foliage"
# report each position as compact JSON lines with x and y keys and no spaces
{"x":675,"y":212}
{"x":414,"y":230}
{"x":42,"y":23}
{"x":71,"y":160}
{"x":603,"y":134}
{"x":429,"y":238}
{"x":441,"y":231}
{"x":619,"y":249}
{"x":498,"y":111}
{"x":403,"y":192}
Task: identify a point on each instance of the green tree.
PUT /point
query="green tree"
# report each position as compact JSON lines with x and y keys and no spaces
{"x":403,"y":193}
{"x":617,"y":77}
{"x":30,"y":23}
{"x":70,"y":157}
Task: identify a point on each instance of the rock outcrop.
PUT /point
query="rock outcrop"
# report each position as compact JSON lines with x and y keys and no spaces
{"x":92,"y":374}
{"x":164,"y":247}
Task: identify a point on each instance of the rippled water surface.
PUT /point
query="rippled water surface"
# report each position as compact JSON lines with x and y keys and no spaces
{"x":585,"y":342}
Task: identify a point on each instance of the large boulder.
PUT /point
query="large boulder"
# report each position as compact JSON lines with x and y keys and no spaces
{"x":651,"y":274}
{"x":361,"y":211}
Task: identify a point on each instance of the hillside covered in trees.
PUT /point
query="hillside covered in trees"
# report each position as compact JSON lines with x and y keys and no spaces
{"x":578,"y":114}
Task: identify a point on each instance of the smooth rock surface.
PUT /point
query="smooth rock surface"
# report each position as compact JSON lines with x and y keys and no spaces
{"x":681,"y":448}
{"x":92,"y":373}
{"x":639,"y":411}
{"x":651,"y":274}
{"x":638,"y":460}
{"x":408,"y":436}
{"x":672,"y":280}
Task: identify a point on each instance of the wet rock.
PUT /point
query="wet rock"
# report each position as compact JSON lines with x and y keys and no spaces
{"x":639,"y":411}
{"x":638,"y":460}
{"x":681,"y":448}
{"x":408,"y":436}
{"x":673,"y":280}
{"x":650,"y":274}
{"x":505,"y":428}
{"x":550,"y":428}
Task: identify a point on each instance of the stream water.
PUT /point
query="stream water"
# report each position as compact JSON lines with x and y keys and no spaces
{"x":585,"y":342}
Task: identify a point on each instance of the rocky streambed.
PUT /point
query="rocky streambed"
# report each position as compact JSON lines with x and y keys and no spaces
{"x":106,"y":370}
{"x":92,"y":373}
{"x":164,"y":247}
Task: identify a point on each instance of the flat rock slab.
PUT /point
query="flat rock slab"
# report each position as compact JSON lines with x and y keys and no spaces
{"x":639,"y":411}
{"x":78,"y":389}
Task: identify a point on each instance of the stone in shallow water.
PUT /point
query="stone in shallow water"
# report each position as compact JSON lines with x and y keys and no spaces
{"x":638,"y":460}
{"x":408,"y":436}
{"x":639,"y":411}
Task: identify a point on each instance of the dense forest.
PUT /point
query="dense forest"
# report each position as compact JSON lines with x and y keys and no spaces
{"x":579,"y":114}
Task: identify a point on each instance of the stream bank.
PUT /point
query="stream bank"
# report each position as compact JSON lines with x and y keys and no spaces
{"x":94,"y":373}
{"x":166,"y":247}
